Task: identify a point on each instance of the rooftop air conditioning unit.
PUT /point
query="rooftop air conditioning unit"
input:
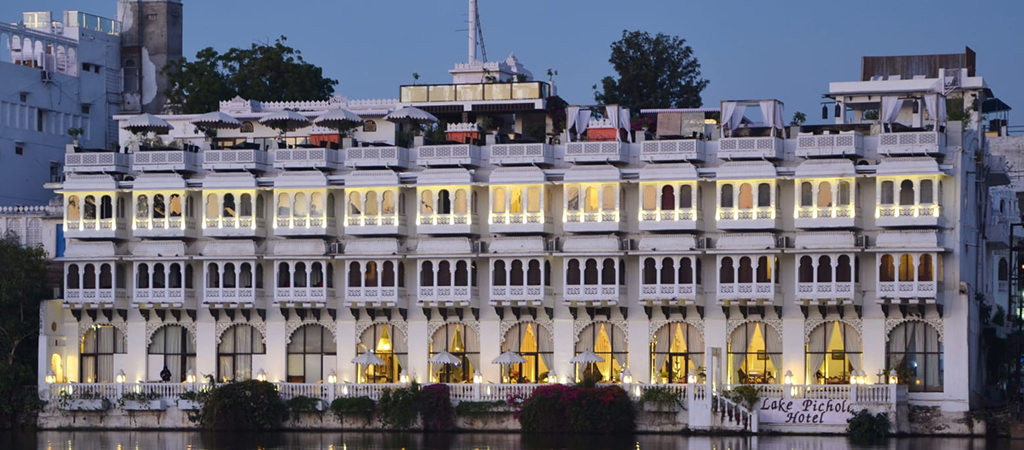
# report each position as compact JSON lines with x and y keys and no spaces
{"x":862,"y":242}
{"x":336,"y":248}
{"x":627,"y":245}
{"x":704,"y":243}
{"x":784,"y":242}
{"x":551,"y":245}
{"x":46,"y":76}
{"x":479,"y":247}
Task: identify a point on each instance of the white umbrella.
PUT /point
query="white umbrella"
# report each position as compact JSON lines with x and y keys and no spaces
{"x":338,"y":118}
{"x":509,"y":358}
{"x":368,"y":359}
{"x":445,"y":358}
{"x":216,"y":121}
{"x":410,"y":114}
{"x":145,"y":123}
{"x":587,"y":357}
{"x":285,"y":121}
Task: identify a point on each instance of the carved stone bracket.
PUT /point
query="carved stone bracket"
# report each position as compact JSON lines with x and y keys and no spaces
{"x":292,"y":325}
{"x":656,"y":325}
{"x":432,"y":327}
{"x":579,"y":325}
{"x":732,"y":325}
{"x":83,"y":327}
{"x":811,"y":324}
{"x":152,"y":327}
{"x":545,"y":323}
{"x":935,"y":322}
{"x":259,"y":326}
{"x":361,"y":327}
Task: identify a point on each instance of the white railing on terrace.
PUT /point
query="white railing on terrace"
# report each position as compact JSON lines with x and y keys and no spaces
{"x":522,"y":154}
{"x":445,"y":219}
{"x":532,"y":295}
{"x":285,"y":223}
{"x":447,"y":155}
{"x":592,"y":217}
{"x":364,"y":220}
{"x":96,"y":225}
{"x":44,"y":209}
{"x":861,"y":393}
{"x":826,"y":290}
{"x":748,"y":291}
{"x":668,"y":291}
{"x":231,"y":295}
{"x":303,"y":294}
{"x":907,"y":211}
{"x":169,"y":223}
{"x":907,"y":289}
{"x":519,"y":218}
{"x":761,"y":213}
{"x":732,"y":415}
{"x":676,"y":215}
{"x":445,"y":295}
{"x":308,"y":158}
{"x":166,"y":160}
{"x":597,"y":151}
{"x":94,"y":295}
{"x":912,"y":143}
{"x":379,"y":296}
{"x":828,"y":212}
{"x":234,"y":222}
{"x":377,"y":157}
{"x":236,"y":159}
{"x":751,"y":148}
{"x":673,"y":150}
{"x":605,"y":294}
{"x":163,"y":295}
{"x":843,"y":144}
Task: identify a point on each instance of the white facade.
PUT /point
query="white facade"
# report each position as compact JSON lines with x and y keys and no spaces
{"x":745,"y":258}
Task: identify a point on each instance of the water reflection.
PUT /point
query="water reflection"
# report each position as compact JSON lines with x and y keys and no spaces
{"x":125,"y":440}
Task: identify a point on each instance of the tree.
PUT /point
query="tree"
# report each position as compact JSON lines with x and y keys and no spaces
{"x":654,"y":72}
{"x":798,"y":119}
{"x":22,"y":289}
{"x":265,"y":72}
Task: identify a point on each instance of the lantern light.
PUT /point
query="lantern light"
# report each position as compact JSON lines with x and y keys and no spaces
{"x":627,"y":376}
{"x":332,"y":377}
{"x":403,"y":377}
{"x":478,"y":377}
{"x":788,"y":378}
{"x":552,"y":378}
{"x":120,"y":376}
{"x":190,"y":376}
{"x":893,"y":379}
{"x":50,"y":377}
{"x":691,"y":377}
{"x":261,"y":375}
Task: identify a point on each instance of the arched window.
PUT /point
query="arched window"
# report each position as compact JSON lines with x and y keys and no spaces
{"x":844,"y":193}
{"x":173,"y":347}
{"x":608,"y":341}
{"x":461,"y":273}
{"x":212,"y":275}
{"x":926,"y":270}
{"x":284,"y":208}
{"x":427,"y":274}
{"x":142,"y":276}
{"x":461,"y":204}
{"x":369,"y":126}
{"x":142,"y":206}
{"x":533,"y":200}
{"x":74,"y":212}
{"x":764,"y":195}
{"x":755,"y":354}
{"x":547,"y":273}
{"x":678,"y":351}
{"x":887,"y":193}
{"x":237,"y":346}
{"x":310,"y":350}
{"x":685,"y":196}
{"x":90,"y":207}
{"x":533,"y":274}
{"x":427,"y":202}
{"x":608,"y":272}
{"x":746,"y":196}
{"x":387,"y":275}
{"x":284,"y":277}
{"x":824,"y":269}
{"x":72,"y":277}
{"x":388,"y":203}
{"x":746,"y":272}
{"x":388,"y":343}
{"x":533,"y":342}
{"x":590,"y":274}
{"x":174,"y":276}
{"x":927,"y":197}
{"x":355,"y":276}
{"x":229,"y":206}
{"x":99,"y":345}
{"x":592,"y":201}
{"x":247,"y":127}
{"x":316,"y":275}
{"x":764,"y":269}
{"x":301,"y":275}
{"x":106,"y":208}
{"x":915,"y":353}
{"x":516,"y":275}
{"x":246,"y":205}
{"x":371,"y":203}
{"x":824,"y":194}
{"x":572,"y":199}
{"x":498,"y":201}
{"x":159,"y":276}
{"x":685,"y":271}
{"x":806,"y":194}
{"x":444,"y":202}
{"x":668,"y":271}
{"x":906,"y":267}
{"x":355,"y":204}
{"x":906,"y":193}
{"x":229,"y":276}
{"x":608,"y":200}
{"x":805,"y":273}
{"x":886,"y":269}
{"x":572,"y":273}
{"x":159,"y":208}
{"x":189,"y":273}
{"x":175,"y":205}
{"x":844,"y":270}
{"x":515,"y":201}
{"x":726,"y":274}
{"x":463,"y":343}
{"x":834,"y":349}
{"x":444,"y":273}
{"x":1004,"y":270}
{"x":498,"y":274}
{"x":650,"y":200}
{"x":650,"y":274}
{"x":89,"y":277}
{"x":370,"y":276}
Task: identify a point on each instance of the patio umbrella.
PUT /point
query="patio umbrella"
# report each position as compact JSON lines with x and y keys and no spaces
{"x":411,"y":115}
{"x":216,"y":121}
{"x":445,"y":358}
{"x":509,"y":358}
{"x":145,"y":123}
{"x":368,"y":359}
{"x":587,"y":357}
{"x":285,"y":121}
{"x":338,"y":119}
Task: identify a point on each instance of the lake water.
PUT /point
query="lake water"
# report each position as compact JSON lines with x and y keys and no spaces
{"x":144,"y":440}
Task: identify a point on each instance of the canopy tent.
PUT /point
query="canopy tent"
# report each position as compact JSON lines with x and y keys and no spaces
{"x":410,"y":114}
{"x":508,"y":359}
{"x":146,"y":123}
{"x":216,"y":121}
{"x":368,"y":359}
{"x":338,"y":119}
{"x":445,"y":358}
{"x":586,"y":357}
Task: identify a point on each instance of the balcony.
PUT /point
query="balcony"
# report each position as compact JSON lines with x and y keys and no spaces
{"x":691,"y":150}
{"x":169,"y":227}
{"x":308,"y":158}
{"x":515,"y":223}
{"x":912,"y":143}
{"x":166,"y":161}
{"x":93,"y":298}
{"x":845,"y":144}
{"x":830,"y":293}
{"x":371,"y":225}
{"x":729,"y":293}
{"x":475,"y":92}
{"x":234,"y":227}
{"x":447,"y":224}
{"x":445,"y":296}
{"x":96,"y":229}
{"x":751,"y":148}
{"x":669,"y":220}
{"x":377,"y":157}
{"x":164,"y":298}
{"x":232,"y":298}
{"x":809,"y":217}
{"x":250,"y":160}
{"x":375,"y":297}
{"x":908,"y":216}
{"x":602,"y":151}
{"x":927,"y":290}
{"x":303,"y":297}
{"x":522,"y":154}
{"x":449,"y":155}
{"x":530,"y":296}
{"x":764,"y":218}
{"x":305,"y":226}
{"x":592,"y":222}
{"x":595,"y":295}
{"x":670,"y":294}
{"x":96,"y":162}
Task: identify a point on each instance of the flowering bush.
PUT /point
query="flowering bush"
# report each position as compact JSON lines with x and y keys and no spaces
{"x":436,"y":409}
{"x":574,"y":409}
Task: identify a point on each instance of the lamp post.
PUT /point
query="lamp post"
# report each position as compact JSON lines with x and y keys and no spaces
{"x":691,"y":378}
{"x":403,"y":377}
{"x":332,"y":380}
{"x":893,"y":379}
{"x":261,"y":375}
{"x":552,"y":377}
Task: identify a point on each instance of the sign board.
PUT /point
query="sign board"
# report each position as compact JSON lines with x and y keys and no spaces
{"x":798,"y":411}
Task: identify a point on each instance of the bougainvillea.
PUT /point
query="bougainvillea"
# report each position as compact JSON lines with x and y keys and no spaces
{"x":574,"y":409}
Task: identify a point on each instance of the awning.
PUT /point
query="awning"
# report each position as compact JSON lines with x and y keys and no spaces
{"x":908,"y":166}
{"x":826,"y":168}
{"x":429,"y":247}
{"x":444,"y":177}
{"x":517,"y":245}
{"x":231,"y":250}
{"x":298,"y":248}
{"x":160,"y":249}
{"x":669,"y":172}
{"x":229,"y":181}
{"x":301,"y":179}
{"x":582,"y":174}
{"x":517,"y":175}
{"x":745,"y":170}
{"x":77,"y":182}
{"x":371,"y":178}
{"x":371,"y":247}
{"x":159,"y":182}
{"x":603,"y":245}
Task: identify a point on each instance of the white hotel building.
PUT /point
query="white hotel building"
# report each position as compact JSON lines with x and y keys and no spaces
{"x":745,"y":254}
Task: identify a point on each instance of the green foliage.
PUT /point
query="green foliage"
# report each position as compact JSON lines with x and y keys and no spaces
{"x":661,"y":396}
{"x":437,"y":133}
{"x":264,"y":71}
{"x":142,"y":397}
{"x":436,"y":408}
{"x":556,"y":109}
{"x":75,"y":132}
{"x":398,"y":408}
{"x":798,"y":119}
{"x":959,"y":111}
{"x":301,"y":403}
{"x":871,"y":114}
{"x":865,"y":427}
{"x":23,"y":285}
{"x":560,"y":408}
{"x":477,"y":408}
{"x":353,"y":405}
{"x":654,"y":72}
{"x":589,"y":379}
{"x":745,"y":395}
{"x":244,"y":405}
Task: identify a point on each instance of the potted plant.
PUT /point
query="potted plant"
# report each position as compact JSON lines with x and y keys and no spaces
{"x":141,"y":401}
{"x":191,"y":401}
{"x":75,"y":133}
{"x":664,"y":376}
{"x":86,"y":401}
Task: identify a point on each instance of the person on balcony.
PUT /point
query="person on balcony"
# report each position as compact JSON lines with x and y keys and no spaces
{"x":165,"y":374}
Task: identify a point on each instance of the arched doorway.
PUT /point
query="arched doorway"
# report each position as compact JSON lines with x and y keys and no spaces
{"x":677,"y":350}
{"x":462,"y":342}
{"x":533,"y":342}
{"x":389,"y":344}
